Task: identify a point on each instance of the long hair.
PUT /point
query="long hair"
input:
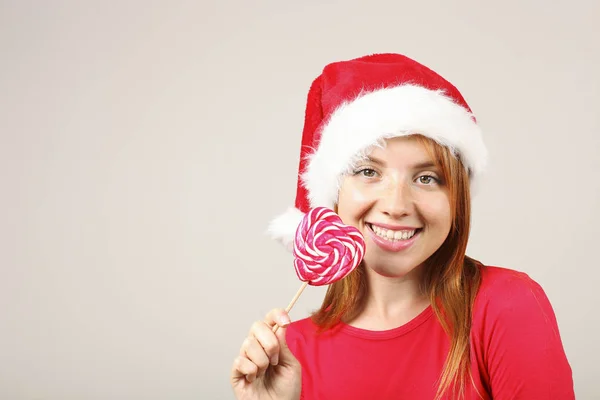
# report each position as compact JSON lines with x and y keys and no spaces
{"x":451,"y":279}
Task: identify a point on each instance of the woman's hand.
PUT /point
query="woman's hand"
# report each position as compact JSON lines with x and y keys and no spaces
{"x":266,"y":368}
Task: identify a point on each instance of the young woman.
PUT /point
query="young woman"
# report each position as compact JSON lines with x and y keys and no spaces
{"x":394,"y":149}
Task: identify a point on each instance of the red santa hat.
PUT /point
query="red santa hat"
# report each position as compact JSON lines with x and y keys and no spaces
{"x":354,"y":105}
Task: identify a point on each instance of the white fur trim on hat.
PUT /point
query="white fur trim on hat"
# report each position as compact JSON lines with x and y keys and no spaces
{"x":283,"y":228}
{"x":403,"y":110}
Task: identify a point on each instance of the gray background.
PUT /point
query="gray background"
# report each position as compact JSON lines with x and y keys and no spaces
{"x":144,"y":146}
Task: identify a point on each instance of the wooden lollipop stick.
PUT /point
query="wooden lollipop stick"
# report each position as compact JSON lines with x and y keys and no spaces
{"x":298,"y":293}
{"x":289,"y":307}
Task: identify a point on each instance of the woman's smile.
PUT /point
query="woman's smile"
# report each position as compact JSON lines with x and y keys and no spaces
{"x":393,"y":240}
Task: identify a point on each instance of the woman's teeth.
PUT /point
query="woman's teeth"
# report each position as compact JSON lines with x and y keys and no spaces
{"x":392,"y":235}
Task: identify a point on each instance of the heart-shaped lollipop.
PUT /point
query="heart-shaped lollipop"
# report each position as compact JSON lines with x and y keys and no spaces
{"x":325,"y":249}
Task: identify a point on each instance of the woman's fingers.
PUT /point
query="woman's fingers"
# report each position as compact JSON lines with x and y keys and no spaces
{"x":267,"y":339}
{"x":255,"y":353}
{"x":242,"y":367}
{"x":279,"y":317}
{"x":263,"y":348}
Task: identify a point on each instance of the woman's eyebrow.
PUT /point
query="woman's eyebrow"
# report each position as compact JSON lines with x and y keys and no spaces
{"x":374,"y":160}
{"x":419,"y":165}
{"x":424,"y":165}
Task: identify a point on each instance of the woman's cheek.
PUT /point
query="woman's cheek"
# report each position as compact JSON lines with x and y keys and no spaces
{"x":353,"y":202}
{"x":361,"y":197}
{"x":436,"y":207}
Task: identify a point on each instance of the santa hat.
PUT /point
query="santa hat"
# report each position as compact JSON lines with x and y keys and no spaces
{"x":354,"y":105}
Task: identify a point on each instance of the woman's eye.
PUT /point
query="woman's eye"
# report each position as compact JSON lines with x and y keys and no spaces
{"x":367,"y":172}
{"x":427,"y":179}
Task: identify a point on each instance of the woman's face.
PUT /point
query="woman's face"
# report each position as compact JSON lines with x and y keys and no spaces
{"x":397,"y":199}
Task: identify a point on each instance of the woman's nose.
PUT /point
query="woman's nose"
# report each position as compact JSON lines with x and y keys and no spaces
{"x":395,"y":199}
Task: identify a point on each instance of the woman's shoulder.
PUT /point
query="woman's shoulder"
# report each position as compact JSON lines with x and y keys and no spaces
{"x":516,"y":339}
{"x":303,"y":330}
{"x":302,"y":326}
{"x":304,"y":334}
{"x":509,"y":294}
{"x":306,"y":331}
{"x":505,"y":280}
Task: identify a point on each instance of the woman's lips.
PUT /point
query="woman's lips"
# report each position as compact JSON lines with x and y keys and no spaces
{"x":392,"y":245}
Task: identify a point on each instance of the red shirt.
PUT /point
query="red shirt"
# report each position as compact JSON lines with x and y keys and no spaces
{"x":516,"y":351}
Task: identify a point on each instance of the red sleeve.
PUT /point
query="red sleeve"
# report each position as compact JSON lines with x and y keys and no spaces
{"x":524,"y":353}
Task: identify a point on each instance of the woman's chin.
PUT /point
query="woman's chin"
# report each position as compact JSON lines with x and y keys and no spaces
{"x":392,"y":270}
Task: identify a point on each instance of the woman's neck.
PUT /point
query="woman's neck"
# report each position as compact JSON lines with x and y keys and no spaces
{"x":391,"y":302}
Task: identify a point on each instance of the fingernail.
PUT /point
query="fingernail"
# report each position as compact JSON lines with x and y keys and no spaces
{"x":284,"y":320}
{"x":275,"y":360}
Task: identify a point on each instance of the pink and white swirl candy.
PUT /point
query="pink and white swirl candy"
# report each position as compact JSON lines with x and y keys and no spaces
{"x":326,"y":249}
